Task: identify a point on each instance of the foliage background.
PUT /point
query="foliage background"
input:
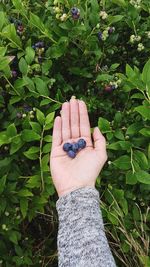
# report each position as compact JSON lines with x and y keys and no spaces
{"x":110,"y":70}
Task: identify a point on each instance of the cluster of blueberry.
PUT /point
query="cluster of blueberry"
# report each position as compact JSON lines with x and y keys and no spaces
{"x":75,"y":12}
{"x":40,"y":48}
{"x":73,"y":148}
{"x":103,"y":35}
{"x":18,"y":24}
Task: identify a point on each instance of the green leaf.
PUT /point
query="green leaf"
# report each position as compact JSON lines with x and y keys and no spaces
{"x":14,"y":236}
{"x":119,"y":134}
{"x":104,"y":77}
{"x":25,"y":193}
{"x":24,"y":206}
{"x":31,"y":153}
{"x":120,"y":145}
{"x":19,"y":6}
{"x":141,"y":159}
{"x":133,"y":128}
{"x":30,"y":135}
{"x":145,"y":132}
{"x":114,"y":19}
{"x":46,"y":66}
{"x":45,"y":161}
{"x":48,"y":138}
{"x":114,"y":66}
{"x":36,"y":127}
{"x":4,"y":139}
{"x":30,"y":54}
{"x":50,"y":118}
{"x":131,"y":178}
{"x":121,"y":3}
{"x":46,"y":148}
{"x":34,"y":182}
{"x":146,"y":72}
{"x":143,"y":177}
{"x":41,"y":86}
{"x":36,"y":21}
{"x":2,"y":183}
{"x":129,"y":71}
{"x":23,"y":67}
{"x":144,"y":111}
{"x":2,"y":20}
{"x":11,"y":130}
{"x":123,"y":162}
{"x":104,"y":125}
{"x":40,"y":116}
{"x":9,"y":32}
{"x":16,"y":144}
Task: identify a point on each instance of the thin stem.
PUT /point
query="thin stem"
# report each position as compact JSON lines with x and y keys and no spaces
{"x":11,"y":85}
{"x":40,"y":159}
{"x":133,"y":169}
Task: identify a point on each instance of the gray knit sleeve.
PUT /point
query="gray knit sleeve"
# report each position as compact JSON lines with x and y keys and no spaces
{"x":81,"y":238}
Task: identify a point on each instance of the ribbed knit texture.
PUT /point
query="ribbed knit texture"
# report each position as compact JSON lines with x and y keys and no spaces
{"x":81,"y":238}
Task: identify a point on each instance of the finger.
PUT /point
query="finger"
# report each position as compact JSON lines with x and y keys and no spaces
{"x":84,"y":120}
{"x":66,"y":132}
{"x":99,"y":140}
{"x":74,"y":111}
{"x":57,"y":135}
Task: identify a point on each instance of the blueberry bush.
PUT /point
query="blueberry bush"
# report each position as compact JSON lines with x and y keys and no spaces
{"x":98,"y":51}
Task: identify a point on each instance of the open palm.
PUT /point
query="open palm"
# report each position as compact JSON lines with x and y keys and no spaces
{"x":69,"y":174}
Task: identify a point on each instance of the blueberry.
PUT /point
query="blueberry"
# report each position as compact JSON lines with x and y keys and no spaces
{"x":76,"y":16}
{"x":113,"y":87}
{"x":71,"y":154}
{"x":20,"y":28}
{"x":39,"y":44}
{"x":75,"y":147}
{"x":14,"y":73}
{"x":67,"y":147}
{"x":100,"y":36}
{"x":108,"y":88}
{"x":74,"y":11}
{"x":33,"y":46}
{"x":81,"y":143}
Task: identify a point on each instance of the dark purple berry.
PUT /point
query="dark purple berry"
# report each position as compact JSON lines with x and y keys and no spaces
{"x":81,"y":143}
{"x":14,"y":73}
{"x":27,"y":108}
{"x":20,"y":28}
{"x":67,"y":147}
{"x":71,"y":154}
{"x":39,"y":44}
{"x":40,"y":59}
{"x":74,"y":10}
{"x":100,"y":36}
{"x":33,"y":46}
{"x":75,"y":147}
{"x":111,"y":30}
{"x":108,"y":88}
{"x":113,"y":87}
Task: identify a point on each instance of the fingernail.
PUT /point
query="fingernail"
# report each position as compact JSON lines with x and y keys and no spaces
{"x":73,"y":97}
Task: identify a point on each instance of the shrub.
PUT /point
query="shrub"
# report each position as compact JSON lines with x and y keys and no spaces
{"x":97,"y":51}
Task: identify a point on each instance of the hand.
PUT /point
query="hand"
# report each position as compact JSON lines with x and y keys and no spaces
{"x":69,"y":174}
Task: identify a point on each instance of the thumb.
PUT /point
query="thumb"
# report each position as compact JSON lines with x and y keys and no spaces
{"x":99,"y":140}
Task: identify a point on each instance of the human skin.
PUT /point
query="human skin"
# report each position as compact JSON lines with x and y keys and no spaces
{"x":69,"y":174}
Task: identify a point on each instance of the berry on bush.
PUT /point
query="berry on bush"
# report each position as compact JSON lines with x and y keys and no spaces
{"x":75,"y":12}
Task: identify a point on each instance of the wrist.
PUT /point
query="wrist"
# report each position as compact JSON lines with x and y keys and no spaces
{"x":69,"y":190}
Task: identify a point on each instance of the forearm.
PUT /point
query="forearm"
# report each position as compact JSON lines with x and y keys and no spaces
{"x":81,"y":237}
